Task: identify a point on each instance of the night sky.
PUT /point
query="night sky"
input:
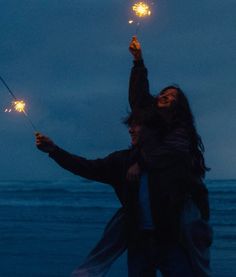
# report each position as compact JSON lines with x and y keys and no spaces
{"x":69,"y":61}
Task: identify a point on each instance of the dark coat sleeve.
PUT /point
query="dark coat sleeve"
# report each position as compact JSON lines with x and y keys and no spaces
{"x":139,"y":94}
{"x":106,"y":170}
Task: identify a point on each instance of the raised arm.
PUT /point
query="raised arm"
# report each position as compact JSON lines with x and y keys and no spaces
{"x":101,"y":170}
{"x":139,"y":94}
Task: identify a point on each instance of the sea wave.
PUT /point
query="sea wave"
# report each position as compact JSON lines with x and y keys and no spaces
{"x":84,"y":205}
{"x":55,"y":191}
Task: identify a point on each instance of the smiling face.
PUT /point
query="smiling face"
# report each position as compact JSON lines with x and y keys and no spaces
{"x":166,"y":98}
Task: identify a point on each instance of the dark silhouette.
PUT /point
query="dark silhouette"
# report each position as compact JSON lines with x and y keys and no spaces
{"x":164,"y":214}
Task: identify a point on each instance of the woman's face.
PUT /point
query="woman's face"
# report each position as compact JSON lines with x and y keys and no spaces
{"x":166,"y":98}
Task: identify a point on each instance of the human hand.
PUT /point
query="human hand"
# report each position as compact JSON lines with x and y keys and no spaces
{"x":133,"y":173}
{"x":135,"y":48}
{"x":44,"y":143}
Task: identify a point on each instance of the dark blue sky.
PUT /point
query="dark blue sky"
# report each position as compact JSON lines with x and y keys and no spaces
{"x":69,"y":60}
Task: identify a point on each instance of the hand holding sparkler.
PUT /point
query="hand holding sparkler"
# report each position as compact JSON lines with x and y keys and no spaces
{"x":135,"y":49}
{"x":44,"y":143}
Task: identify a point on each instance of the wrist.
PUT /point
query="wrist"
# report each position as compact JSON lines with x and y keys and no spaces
{"x":137,"y":59}
{"x":139,"y":62}
{"x":53,"y":149}
{"x":138,"y":56}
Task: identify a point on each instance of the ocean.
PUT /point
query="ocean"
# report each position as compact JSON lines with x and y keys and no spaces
{"x":48,"y":227}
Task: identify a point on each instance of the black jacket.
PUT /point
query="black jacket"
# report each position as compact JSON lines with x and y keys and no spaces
{"x":175,"y":144}
{"x":169,"y":185}
{"x":170,"y":180}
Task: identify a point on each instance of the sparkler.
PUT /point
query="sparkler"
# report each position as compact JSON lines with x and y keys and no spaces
{"x":140,"y":10}
{"x":18,"y":105}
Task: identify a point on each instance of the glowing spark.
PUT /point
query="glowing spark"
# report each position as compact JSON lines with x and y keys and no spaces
{"x":141,"y":9}
{"x":19,"y":106}
{"x":131,"y":21}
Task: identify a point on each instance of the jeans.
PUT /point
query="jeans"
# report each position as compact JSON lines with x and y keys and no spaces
{"x":146,"y":255}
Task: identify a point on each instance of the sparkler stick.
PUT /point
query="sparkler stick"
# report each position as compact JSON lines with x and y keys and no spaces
{"x":19,"y":105}
{"x":9,"y":90}
{"x":30,"y":121}
{"x":137,"y":29}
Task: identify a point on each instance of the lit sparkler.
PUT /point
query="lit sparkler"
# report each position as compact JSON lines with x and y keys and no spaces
{"x":17,"y":105}
{"x":140,"y":10}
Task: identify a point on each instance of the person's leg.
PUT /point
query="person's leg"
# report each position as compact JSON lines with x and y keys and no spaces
{"x":175,"y":263}
{"x":141,"y":258}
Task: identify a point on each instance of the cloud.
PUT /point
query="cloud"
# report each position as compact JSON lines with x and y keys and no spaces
{"x":70,"y":61}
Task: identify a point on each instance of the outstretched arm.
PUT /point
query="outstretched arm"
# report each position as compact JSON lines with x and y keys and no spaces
{"x":100,"y":170}
{"x":139,"y":94}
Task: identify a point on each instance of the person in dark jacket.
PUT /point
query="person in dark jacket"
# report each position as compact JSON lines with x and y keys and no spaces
{"x":169,"y":127}
{"x":112,"y":170}
{"x":151,"y":248}
{"x":154,"y":202}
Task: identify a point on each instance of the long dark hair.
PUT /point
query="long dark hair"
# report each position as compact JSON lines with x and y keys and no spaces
{"x":179,"y":116}
{"x":183,"y":117}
